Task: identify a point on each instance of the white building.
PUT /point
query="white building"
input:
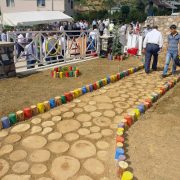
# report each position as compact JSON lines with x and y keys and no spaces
{"x":7,"y":6}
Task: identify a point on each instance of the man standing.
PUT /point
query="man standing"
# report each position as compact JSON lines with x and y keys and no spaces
{"x":152,"y":44}
{"x":172,"y":50}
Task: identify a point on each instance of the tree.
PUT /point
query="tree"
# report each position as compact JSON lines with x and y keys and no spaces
{"x":125,"y":11}
{"x":108,"y":4}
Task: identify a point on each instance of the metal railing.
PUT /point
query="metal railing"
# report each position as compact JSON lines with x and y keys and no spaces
{"x":40,"y":49}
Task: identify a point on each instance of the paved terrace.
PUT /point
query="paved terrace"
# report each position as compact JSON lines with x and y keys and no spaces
{"x":75,"y":141}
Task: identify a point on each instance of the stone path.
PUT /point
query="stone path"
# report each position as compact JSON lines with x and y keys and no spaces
{"x":74,"y":141}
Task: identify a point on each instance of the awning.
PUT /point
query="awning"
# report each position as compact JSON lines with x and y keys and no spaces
{"x":33,"y":18}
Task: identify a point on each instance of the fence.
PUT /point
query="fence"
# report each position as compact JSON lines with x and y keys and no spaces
{"x":39,"y":49}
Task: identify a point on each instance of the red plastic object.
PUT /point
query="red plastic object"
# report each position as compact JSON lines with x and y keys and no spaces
{"x":95,"y":86}
{"x":118,"y":76}
{"x":27,"y":113}
{"x":129,"y":120}
{"x":56,"y":69}
{"x":69,"y":97}
{"x":163,"y":90}
{"x":132,"y":51}
{"x":119,"y":139}
{"x":67,"y":74}
{"x":148,"y":103}
{"x":70,"y":68}
{"x":77,"y":71}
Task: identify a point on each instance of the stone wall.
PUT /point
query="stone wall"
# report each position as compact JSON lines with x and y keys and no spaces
{"x":164,"y":22}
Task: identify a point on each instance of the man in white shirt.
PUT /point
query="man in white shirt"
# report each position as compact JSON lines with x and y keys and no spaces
{"x":152,"y":44}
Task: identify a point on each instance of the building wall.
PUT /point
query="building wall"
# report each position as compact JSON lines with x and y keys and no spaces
{"x":31,"y":5}
{"x":164,"y":22}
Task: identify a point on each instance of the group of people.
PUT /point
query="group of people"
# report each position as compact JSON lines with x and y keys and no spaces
{"x":153,"y":44}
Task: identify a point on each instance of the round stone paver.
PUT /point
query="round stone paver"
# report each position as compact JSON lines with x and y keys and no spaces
{"x":102,"y":145}
{"x":20,"y":167}
{"x":18,"y":155}
{"x":47,"y":130}
{"x":54,"y":136}
{"x":12,"y":138}
{"x":83,"y":117}
{"x":119,"y":110}
{"x":90,"y":108}
{"x":48,"y":124}
{"x":6,"y":149}
{"x":102,"y":121}
{"x":36,"y":121}
{"x":105,"y":106}
{"x":3,"y":133}
{"x":56,"y":118}
{"x":45,"y":178}
{"x":68,"y":166}
{"x":107,"y":132}
{"x":34,"y":142}
{"x":95,"y":114}
{"x":4,"y":167}
{"x":102,"y":155}
{"x":92,"y":102}
{"x":20,"y":128}
{"x":71,"y":137}
{"x":94,"y":136}
{"x":95,"y":129}
{"x":46,"y":116}
{"x":39,"y":155}
{"x":102,"y":99}
{"x":117,"y":99}
{"x":117,"y":119}
{"x":58,"y":147}
{"x":38,"y":169}
{"x":57,"y":112}
{"x":16,"y":177}
{"x":109,"y":113}
{"x":87,"y":124}
{"x":77,"y":110}
{"x":68,"y":115}
{"x":122,"y":105}
{"x":81,"y":104}
{"x":94,"y":166}
{"x":68,"y":126}
{"x":36,"y":129}
{"x":84,"y":177}
{"x":82,"y":149}
{"x":83,"y":131}
{"x":70,"y":105}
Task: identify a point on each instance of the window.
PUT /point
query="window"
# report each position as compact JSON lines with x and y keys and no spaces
{"x":40,"y":3}
{"x":9,"y":3}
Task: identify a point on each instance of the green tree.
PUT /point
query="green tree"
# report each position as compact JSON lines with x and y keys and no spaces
{"x":125,"y":12}
{"x":108,"y":4}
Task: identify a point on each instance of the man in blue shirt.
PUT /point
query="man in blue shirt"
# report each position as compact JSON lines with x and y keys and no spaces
{"x":172,"y":52}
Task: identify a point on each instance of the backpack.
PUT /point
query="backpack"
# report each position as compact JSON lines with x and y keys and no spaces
{"x":177,"y":60}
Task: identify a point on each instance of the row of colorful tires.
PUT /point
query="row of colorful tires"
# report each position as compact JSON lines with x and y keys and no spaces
{"x":42,"y":107}
{"x":126,"y":123}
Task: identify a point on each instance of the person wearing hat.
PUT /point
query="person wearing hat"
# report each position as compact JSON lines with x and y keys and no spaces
{"x":152,"y":44}
{"x":172,"y":50}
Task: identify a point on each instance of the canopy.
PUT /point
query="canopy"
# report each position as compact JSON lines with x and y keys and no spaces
{"x":33,"y":18}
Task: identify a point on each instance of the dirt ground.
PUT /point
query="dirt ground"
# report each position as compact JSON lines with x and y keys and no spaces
{"x":154,"y":141}
{"x":17,"y":93}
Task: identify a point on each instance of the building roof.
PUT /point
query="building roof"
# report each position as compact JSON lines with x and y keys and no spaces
{"x":33,"y":18}
{"x":164,"y":4}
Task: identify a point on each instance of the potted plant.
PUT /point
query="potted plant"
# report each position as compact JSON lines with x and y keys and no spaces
{"x":117,"y":47}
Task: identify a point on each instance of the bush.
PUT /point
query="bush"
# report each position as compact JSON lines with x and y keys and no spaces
{"x":90,"y":16}
{"x":136,"y":15}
